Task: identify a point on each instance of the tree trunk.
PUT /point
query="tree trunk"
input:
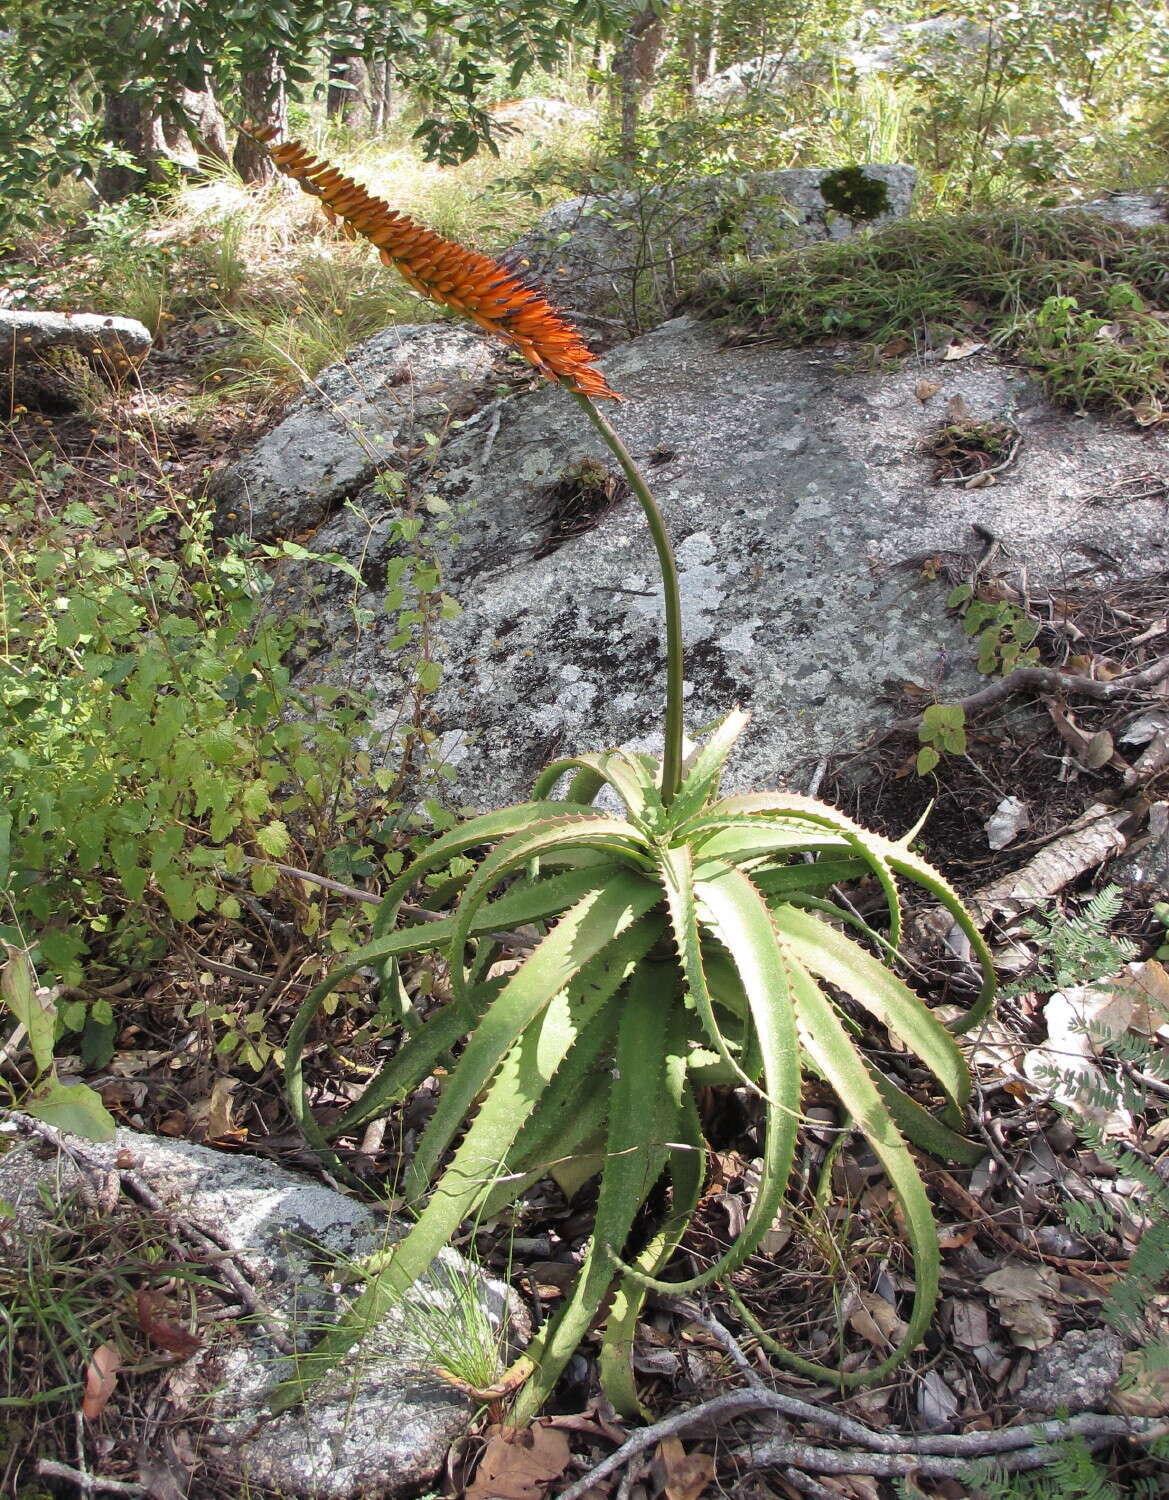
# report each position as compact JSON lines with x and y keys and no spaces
{"x":349,"y":99}
{"x":594,"y":70}
{"x":688,"y":51}
{"x":263,"y":102}
{"x":707,"y":44}
{"x":381,"y":95}
{"x":130,"y":123}
{"x":633,"y":67}
{"x":204,"y":124}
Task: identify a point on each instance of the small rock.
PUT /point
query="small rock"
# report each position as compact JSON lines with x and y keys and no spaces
{"x":40,"y":351}
{"x":121,"y":342}
{"x":1076,"y":1373}
{"x":381,"y":1422}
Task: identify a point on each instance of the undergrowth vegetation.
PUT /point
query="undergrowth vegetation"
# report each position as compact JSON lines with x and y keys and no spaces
{"x":82,"y":1306}
{"x":1082,"y":303}
{"x":161,"y":766}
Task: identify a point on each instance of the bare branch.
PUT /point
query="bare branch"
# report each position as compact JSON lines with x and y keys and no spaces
{"x":1048,"y":680}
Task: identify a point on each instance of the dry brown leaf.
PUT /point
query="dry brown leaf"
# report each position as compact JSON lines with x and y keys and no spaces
{"x":860,"y":1487}
{"x":1017,"y":1293}
{"x":970,"y":1325}
{"x":520,"y":1464}
{"x":955,"y":1236}
{"x":684,"y":1475}
{"x":1147,"y":985}
{"x":164,"y":1475}
{"x":962,"y":349}
{"x":219,"y":1117}
{"x":101,"y":1376}
{"x":875,"y":1320}
{"x":926,"y":390}
{"x":159,"y":1331}
{"x":1098,"y":750}
{"x":994,"y":1047}
{"x":1143,"y":1390}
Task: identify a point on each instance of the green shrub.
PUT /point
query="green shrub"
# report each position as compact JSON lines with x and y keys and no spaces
{"x":157,"y":758}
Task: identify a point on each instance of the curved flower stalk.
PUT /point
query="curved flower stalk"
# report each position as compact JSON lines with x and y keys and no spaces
{"x":692,"y":941}
{"x":499,"y":298}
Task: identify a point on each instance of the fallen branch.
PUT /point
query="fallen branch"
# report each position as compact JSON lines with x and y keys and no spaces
{"x":883,"y":1454}
{"x":1048,"y":680}
{"x":788,"y":1452}
{"x":88,"y":1484}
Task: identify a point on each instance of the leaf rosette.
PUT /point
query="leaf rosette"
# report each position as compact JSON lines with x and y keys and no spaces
{"x":679,"y":947}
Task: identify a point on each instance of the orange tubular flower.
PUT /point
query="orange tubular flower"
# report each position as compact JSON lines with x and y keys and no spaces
{"x":486,"y":290}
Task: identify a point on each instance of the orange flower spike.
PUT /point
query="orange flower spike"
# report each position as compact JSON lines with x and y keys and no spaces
{"x":491,"y":294}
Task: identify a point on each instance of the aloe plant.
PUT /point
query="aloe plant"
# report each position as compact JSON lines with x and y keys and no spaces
{"x":684,"y":946}
{"x":690,"y":940}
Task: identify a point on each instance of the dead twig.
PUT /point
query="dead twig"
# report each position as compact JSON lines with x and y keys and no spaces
{"x":884,"y":1454}
{"x":88,"y":1484}
{"x":1048,"y":680}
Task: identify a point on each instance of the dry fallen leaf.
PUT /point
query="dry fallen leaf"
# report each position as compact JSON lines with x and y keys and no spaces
{"x":1143,"y":1390}
{"x":159,"y":1331}
{"x":520,"y":1464}
{"x":1064,"y":1066}
{"x":962,"y":349}
{"x":1147,"y":986}
{"x":1007,"y":822}
{"x":926,"y":390}
{"x":219,"y":1118}
{"x":1098,"y":750}
{"x":875,"y":1320}
{"x":101,"y":1376}
{"x":1144,"y":727}
{"x":969,"y":1324}
{"x":684,"y":1475}
{"x":937,"y":1405}
{"x":1148,"y":413}
{"x":1017,"y":1293}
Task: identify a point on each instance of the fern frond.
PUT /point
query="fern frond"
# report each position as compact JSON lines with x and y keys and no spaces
{"x":1071,"y":1473}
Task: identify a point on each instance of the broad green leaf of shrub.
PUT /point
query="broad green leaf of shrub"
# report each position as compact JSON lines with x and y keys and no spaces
{"x":71,"y":1107}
